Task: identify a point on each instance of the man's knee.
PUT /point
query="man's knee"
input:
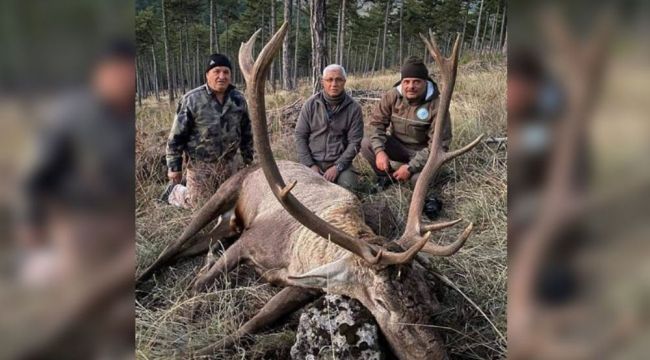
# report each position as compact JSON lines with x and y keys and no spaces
{"x":414,"y":178}
{"x":348,"y":179}
{"x":366,"y":149}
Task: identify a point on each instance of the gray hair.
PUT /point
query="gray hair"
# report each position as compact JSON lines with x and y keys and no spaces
{"x":333,"y":67}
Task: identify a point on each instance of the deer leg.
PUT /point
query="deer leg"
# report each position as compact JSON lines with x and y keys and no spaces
{"x":212,"y":269}
{"x":215,"y":238}
{"x":228,"y":261}
{"x":223,"y":200}
{"x":282,"y":304}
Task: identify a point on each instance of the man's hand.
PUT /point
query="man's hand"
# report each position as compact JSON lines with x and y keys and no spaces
{"x":316,"y":169}
{"x":382,"y":161}
{"x":175,"y":176}
{"x":331,"y":173}
{"x":402,"y":174}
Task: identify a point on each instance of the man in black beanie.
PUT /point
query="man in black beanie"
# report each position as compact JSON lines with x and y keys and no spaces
{"x":400,"y":127}
{"x":211,"y":123}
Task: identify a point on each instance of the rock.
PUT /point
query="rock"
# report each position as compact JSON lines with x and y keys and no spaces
{"x":337,"y":327}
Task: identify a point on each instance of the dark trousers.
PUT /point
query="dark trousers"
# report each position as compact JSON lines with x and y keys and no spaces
{"x":397,"y":152}
{"x":347,"y":178}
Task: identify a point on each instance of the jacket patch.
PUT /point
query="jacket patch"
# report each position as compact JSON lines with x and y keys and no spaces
{"x":422,"y":113}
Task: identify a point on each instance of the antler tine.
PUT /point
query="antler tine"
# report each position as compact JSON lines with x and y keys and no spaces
{"x":432,"y":46}
{"x":246,"y":60}
{"x":464,"y":149}
{"x":255,"y":72}
{"x":447,"y":250}
{"x":437,"y":155}
{"x":441,"y":225}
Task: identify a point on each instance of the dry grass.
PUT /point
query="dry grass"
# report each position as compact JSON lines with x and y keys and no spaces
{"x":476,"y":191}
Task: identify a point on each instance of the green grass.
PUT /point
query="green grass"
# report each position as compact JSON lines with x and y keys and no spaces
{"x":476,"y":192}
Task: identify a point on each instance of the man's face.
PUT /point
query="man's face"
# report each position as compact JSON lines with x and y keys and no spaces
{"x":522,"y":94}
{"x":333,"y":83}
{"x":218,"y":78}
{"x":413,"y":88}
{"x":113,"y":80}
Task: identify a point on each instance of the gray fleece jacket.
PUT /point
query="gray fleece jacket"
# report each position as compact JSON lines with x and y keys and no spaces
{"x":329,"y":138}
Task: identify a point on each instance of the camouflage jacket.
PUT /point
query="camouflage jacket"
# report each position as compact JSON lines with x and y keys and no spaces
{"x":209,"y":131}
{"x":410,"y":123}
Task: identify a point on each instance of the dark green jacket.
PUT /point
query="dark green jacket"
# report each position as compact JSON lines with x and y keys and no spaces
{"x":209,"y":131}
{"x":329,"y":138}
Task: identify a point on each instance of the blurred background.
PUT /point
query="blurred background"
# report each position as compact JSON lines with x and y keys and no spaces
{"x":578,"y":179}
{"x":67,"y":92}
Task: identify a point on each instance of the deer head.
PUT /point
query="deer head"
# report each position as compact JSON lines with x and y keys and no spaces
{"x":378,"y":272}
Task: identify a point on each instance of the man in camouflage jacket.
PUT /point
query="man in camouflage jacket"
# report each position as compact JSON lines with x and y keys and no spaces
{"x":211,"y":123}
{"x":401,"y":125}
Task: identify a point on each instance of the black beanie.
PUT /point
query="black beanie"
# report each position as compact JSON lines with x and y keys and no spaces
{"x":218,"y":60}
{"x":414,"y":68}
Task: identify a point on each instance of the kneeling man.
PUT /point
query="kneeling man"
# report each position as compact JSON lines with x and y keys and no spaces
{"x":330,"y":129}
{"x":402,"y":124}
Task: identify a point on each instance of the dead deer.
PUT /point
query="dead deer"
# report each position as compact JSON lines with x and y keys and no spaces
{"x":309,"y":236}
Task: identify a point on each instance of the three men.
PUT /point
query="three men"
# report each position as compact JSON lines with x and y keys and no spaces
{"x":211,"y":123}
{"x":401,"y":126}
{"x":330,"y":129}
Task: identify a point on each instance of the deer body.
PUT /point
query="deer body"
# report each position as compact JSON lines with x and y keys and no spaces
{"x":285,"y":253}
{"x":295,"y":249}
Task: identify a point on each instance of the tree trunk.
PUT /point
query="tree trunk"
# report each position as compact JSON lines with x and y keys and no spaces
{"x":374,"y":59}
{"x":366,"y":58}
{"x":318,"y":48}
{"x":408,"y":50}
{"x":286,"y":76}
{"x":216,"y":28}
{"x":138,"y":81}
{"x":155,"y":74}
{"x":493,"y":31}
{"x":342,"y":36}
{"x":337,"y":54}
{"x":329,"y":43}
{"x":181,"y":60}
{"x":197,"y":67}
{"x":273,"y":64}
{"x":227,"y":44}
{"x":181,"y":73}
{"x":347,"y":56}
{"x":170,"y":86}
{"x":462,"y":37}
{"x":401,"y":10}
{"x":487,"y":20}
{"x":295,"y":51}
{"x":478,"y":28}
{"x":424,"y":55}
{"x":211,"y":25}
{"x":503,"y":22}
{"x":504,"y":50}
{"x":383,"y":49}
{"x":188,"y":62}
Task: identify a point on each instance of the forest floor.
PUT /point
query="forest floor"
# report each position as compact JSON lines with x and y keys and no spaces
{"x":475,"y":191}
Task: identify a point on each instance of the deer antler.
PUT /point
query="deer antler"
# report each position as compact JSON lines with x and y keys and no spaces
{"x":437,"y":157}
{"x":255,"y":75}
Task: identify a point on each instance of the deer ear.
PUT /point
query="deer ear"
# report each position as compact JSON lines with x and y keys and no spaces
{"x":328,"y":275}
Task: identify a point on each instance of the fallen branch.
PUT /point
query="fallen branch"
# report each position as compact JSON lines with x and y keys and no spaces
{"x":367,"y":98}
{"x":496,"y":140}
